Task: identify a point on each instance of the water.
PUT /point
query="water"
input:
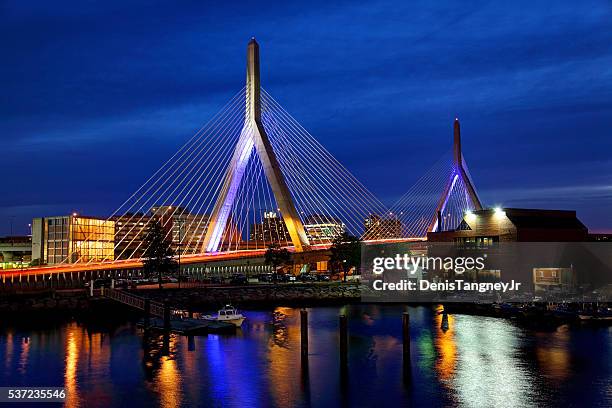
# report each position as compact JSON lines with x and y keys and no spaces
{"x":477,"y":362}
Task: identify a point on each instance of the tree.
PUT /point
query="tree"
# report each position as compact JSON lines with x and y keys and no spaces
{"x":345,"y":252}
{"x":277,"y":256}
{"x":158,"y":254}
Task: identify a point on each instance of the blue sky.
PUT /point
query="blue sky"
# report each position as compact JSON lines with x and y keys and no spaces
{"x":96,"y":95}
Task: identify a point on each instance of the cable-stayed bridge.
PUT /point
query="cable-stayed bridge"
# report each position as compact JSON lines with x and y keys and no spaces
{"x":252,"y":177}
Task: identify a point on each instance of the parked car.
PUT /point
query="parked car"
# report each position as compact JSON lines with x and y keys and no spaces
{"x":239,"y":279}
{"x":323,"y":277}
{"x":100,"y":283}
{"x":169,"y":279}
{"x":284,"y":277}
{"x":307,"y":277}
{"x":266,"y":277}
{"x":122,"y":283}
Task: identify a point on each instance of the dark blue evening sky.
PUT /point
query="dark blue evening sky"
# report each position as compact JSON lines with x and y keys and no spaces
{"x":96,"y":95}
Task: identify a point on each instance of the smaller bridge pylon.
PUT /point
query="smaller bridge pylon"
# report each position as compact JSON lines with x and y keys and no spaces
{"x":439,"y":199}
{"x":458,"y":175}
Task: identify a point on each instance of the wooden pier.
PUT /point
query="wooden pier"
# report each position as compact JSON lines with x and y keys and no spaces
{"x":159,"y":316}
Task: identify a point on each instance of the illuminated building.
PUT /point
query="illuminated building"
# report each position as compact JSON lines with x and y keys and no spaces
{"x":377,"y":227}
{"x":485,"y":228}
{"x":130,"y":231}
{"x":496,"y":234}
{"x":320,"y":228}
{"x":600,"y":237}
{"x":559,"y":279}
{"x":72,"y":238}
{"x":15,"y":251}
{"x":271,"y":229}
{"x":183,"y":229}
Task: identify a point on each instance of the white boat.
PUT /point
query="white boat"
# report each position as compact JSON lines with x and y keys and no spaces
{"x":227,"y":314}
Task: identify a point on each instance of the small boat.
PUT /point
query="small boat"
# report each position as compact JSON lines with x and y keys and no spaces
{"x":599,"y":316}
{"x":228,"y":314}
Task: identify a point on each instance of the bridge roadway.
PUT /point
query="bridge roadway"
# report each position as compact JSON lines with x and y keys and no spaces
{"x":93,"y":270}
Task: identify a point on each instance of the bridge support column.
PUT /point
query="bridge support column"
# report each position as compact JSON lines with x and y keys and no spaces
{"x":91,"y":287}
{"x":147,"y":313}
{"x":343,"y":342}
{"x":166,"y":317}
{"x":406,"y":364}
{"x":304,"y":334}
{"x":457,"y":173}
{"x":254,"y":136}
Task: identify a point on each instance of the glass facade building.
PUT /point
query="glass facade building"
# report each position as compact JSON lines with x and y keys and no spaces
{"x":73,"y":238}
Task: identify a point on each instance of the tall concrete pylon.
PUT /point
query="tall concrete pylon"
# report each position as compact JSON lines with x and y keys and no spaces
{"x":253,"y":135}
{"x":457,"y":173}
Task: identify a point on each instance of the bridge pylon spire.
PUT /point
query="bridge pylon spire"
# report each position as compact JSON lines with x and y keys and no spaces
{"x":458,"y":173}
{"x":253,"y":136}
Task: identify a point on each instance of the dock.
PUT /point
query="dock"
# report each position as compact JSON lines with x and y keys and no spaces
{"x":159,"y":316}
{"x":189,"y":327}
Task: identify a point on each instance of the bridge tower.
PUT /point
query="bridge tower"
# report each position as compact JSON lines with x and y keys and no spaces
{"x":253,"y":136}
{"x":458,"y":173}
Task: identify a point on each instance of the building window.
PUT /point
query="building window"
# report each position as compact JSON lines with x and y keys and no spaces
{"x":476,"y":242}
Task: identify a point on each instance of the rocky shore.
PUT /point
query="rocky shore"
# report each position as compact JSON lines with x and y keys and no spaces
{"x":34,"y":301}
{"x":289,"y":294}
{"x":78,"y":301}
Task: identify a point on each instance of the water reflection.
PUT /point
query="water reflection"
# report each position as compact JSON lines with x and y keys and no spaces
{"x":23,"y":356}
{"x":169,"y":383}
{"x":489,"y":371}
{"x":281,"y":316}
{"x":552,"y":352}
{"x":456,"y":360}
{"x":9,"y":350}
{"x":445,"y":346}
{"x":283,"y":357}
{"x":71,"y":365}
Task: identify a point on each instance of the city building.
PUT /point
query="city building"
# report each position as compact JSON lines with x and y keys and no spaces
{"x":517,"y":244}
{"x":184,"y":230}
{"x":554,"y":279}
{"x":600,"y":237}
{"x":15,"y":251}
{"x":377,"y":227}
{"x":72,"y":238}
{"x":271,"y":230}
{"x":486,"y":227}
{"x":322,"y":229}
{"x":130,"y":232}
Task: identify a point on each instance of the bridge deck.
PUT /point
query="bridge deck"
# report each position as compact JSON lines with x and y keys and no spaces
{"x":185,"y":260}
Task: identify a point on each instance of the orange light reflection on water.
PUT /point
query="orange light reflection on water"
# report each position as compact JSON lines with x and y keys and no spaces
{"x":283,"y":354}
{"x":169,"y":382}
{"x":553,"y":356}
{"x":71,"y":363}
{"x":446,"y":348}
{"x":23,"y":356}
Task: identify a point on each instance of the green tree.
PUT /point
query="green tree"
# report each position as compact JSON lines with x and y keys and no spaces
{"x":158,"y":255}
{"x":345,"y":252}
{"x":277,"y":256}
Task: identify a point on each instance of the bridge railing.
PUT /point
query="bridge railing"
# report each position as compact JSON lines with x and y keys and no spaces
{"x":157,"y":309}
{"x":135,"y":301}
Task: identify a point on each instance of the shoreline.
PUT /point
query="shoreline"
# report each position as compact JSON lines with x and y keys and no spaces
{"x":78,"y":304}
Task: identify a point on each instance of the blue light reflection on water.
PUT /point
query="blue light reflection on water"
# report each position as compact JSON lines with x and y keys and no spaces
{"x":474,"y":361}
